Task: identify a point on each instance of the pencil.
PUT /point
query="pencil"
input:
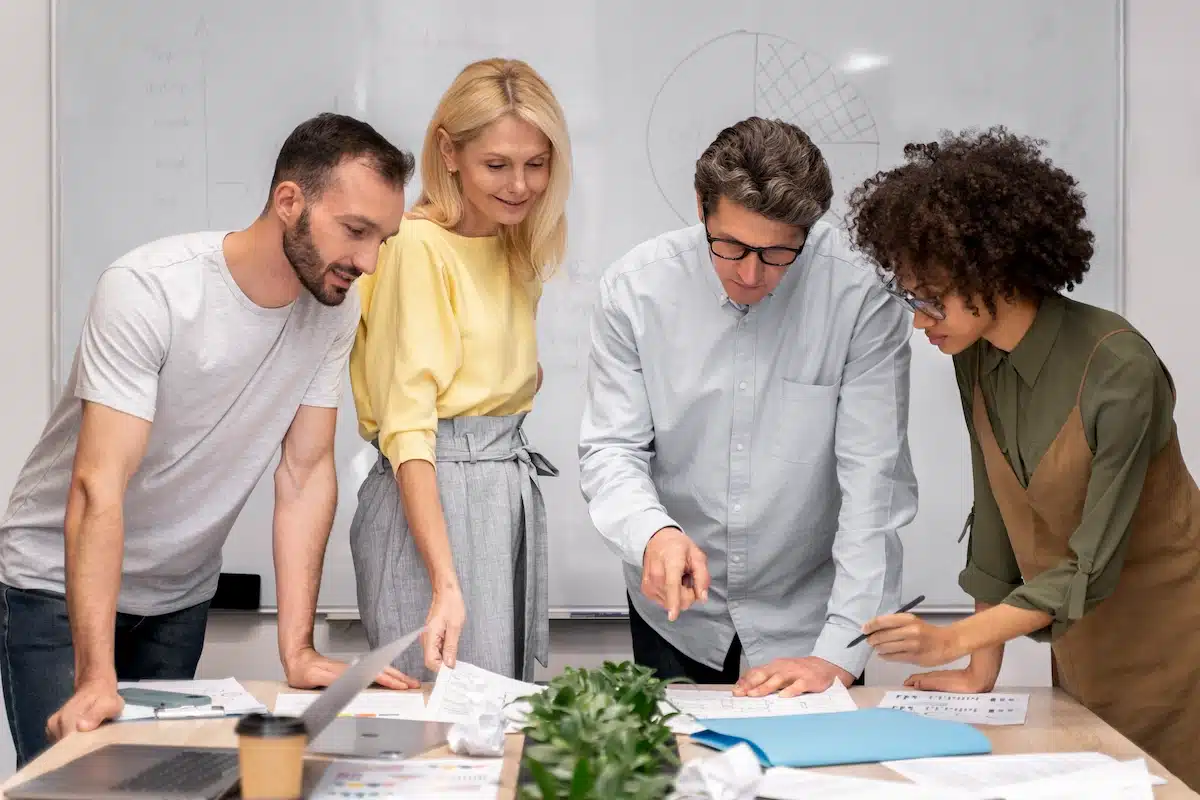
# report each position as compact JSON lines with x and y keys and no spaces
{"x":909,"y":606}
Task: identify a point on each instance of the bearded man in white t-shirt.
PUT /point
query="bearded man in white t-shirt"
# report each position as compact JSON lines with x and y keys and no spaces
{"x":200,"y":356}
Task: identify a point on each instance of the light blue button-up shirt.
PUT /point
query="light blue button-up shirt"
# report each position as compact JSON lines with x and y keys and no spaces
{"x":774,"y":435}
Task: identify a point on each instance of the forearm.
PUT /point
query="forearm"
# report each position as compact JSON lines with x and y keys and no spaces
{"x":422,"y":504}
{"x":986,"y":660}
{"x":94,"y":549}
{"x":305,"y":502}
{"x":986,"y":631}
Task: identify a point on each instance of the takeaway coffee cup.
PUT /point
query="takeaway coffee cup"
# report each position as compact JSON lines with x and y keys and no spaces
{"x":271,"y":756}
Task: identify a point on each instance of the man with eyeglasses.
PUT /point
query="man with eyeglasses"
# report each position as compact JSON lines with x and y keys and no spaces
{"x":743,"y":444}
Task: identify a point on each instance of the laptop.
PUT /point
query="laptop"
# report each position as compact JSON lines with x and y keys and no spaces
{"x":138,"y":772}
{"x":378,"y":738}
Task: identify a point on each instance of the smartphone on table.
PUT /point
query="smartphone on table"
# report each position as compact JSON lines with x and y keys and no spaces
{"x":159,"y":699}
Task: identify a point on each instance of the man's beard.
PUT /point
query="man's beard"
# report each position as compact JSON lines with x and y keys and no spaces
{"x":306,"y":261}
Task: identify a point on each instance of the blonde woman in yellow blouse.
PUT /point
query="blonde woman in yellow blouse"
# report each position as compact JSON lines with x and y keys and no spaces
{"x":450,"y":530}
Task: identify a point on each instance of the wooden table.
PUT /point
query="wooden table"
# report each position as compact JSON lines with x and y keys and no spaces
{"x":1055,"y":723}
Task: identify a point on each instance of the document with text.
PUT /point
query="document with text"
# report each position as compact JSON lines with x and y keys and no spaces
{"x":991,"y":708}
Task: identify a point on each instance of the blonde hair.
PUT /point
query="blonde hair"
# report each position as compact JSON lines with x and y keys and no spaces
{"x":482,"y":93}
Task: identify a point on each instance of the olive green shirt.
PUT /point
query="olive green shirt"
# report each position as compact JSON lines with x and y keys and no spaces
{"x":1127,"y":406}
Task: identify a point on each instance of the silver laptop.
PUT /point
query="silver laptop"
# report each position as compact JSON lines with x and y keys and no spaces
{"x":375,"y":738}
{"x":138,"y":772}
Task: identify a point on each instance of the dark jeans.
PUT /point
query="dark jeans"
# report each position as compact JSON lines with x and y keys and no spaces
{"x":37,"y":661}
{"x":652,"y":650}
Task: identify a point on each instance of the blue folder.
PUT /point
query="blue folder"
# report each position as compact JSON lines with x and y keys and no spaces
{"x":868,"y":735}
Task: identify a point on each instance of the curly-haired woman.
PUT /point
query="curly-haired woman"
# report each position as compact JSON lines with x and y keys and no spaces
{"x":1086,"y":525}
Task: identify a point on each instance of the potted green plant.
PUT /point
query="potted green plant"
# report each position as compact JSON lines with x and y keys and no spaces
{"x":599,"y":733}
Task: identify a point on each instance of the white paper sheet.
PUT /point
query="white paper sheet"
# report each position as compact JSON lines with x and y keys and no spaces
{"x":1120,"y":780}
{"x":977,"y":773}
{"x":418,"y":779}
{"x":229,"y":698}
{"x":783,"y":783}
{"x":462,"y":693}
{"x":722,"y":704}
{"x":990,"y":708}
{"x":386,"y":704}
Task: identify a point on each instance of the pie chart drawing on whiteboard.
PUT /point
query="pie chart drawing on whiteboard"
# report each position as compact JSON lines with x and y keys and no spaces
{"x":742,"y":74}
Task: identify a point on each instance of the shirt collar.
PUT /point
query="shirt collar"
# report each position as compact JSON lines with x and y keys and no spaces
{"x":1030,"y":354}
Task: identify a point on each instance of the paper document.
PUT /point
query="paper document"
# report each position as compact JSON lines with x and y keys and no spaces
{"x":1094,"y":779}
{"x":423,"y":779}
{"x":1120,"y":780}
{"x":229,"y":699}
{"x":462,"y":693}
{"x":722,"y":704}
{"x":385,"y":704}
{"x":784,"y":783}
{"x":976,"y":709}
{"x":975,"y":773}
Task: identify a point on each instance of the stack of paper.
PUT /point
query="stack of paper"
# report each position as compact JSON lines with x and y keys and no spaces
{"x":229,"y":699}
{"x":975,"y":709}
{"x":420,"y":779}
{"x":979,"y":773}
{"x":785,"y":783}
{"x":1122,"y":780}
{"x":1066,"y":776}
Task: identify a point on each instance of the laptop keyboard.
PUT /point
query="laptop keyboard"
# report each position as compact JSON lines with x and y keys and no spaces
{"x":188,"y":771}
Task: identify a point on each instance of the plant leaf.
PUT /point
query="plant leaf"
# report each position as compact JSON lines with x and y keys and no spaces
{"x":582,"y":781}
{"x":545,"y":781}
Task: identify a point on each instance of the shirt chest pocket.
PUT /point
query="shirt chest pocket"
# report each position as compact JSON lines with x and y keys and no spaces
{"x":804,"y":421}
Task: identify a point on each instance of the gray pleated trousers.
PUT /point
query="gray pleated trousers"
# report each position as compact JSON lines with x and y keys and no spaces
{"x":496,"y":521}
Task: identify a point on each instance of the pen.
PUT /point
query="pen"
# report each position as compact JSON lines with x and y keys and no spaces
{"x":909,"y":606}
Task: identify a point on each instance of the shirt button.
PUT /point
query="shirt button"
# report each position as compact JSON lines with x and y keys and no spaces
{"x":742,"y":385}
{"x":740,"y":446}
{"x":736,"y":559}
{"x":737,"y":506}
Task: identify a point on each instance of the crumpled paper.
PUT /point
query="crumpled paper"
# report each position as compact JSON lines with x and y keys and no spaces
{"x":482,"y":737}
{"x":732,"y":775}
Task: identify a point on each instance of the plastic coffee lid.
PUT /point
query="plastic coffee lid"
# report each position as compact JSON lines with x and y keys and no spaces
{"x":269,"y":725}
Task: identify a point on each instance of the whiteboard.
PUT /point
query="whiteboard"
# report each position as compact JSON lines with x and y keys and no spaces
{"x":168,"y":117}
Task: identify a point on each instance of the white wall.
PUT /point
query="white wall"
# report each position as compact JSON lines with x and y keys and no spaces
{"x":1163,"y":288}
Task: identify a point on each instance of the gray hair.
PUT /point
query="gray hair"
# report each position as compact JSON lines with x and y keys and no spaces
{"x":770,"y":167}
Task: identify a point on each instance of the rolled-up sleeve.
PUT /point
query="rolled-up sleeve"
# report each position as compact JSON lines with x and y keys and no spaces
{"x":991,"y":573}
{"x":1128,"y":416}
{"x":878,"y":486}
{"x":616,"y":438}
{"x":413,"y":348}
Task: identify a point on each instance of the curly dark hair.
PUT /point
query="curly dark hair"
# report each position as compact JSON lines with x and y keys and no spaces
{"x":975,"y":214}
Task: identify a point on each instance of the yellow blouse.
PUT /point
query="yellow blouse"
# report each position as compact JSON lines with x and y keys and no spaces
{"x":446,"y":331}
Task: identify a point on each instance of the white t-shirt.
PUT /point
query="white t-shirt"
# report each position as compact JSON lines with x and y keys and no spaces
{"x":170,"y":338}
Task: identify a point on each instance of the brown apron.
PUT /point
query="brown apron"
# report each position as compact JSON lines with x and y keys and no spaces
{"x":1134,"y":660}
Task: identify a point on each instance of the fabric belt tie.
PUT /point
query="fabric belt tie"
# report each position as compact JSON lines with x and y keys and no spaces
{"x":531,"y":464}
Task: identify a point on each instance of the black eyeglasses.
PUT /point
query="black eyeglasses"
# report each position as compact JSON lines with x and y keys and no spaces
{"x":736,"y":251}
{"x":930,"y":308}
